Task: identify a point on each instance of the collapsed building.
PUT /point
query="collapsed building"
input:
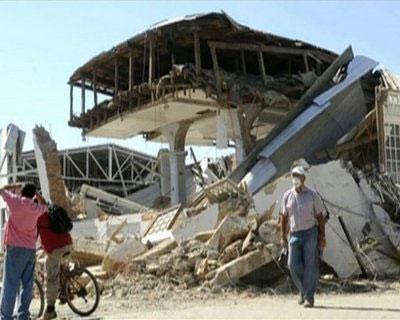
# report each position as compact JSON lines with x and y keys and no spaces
{"x":200,"y":80}
{"x":207,"y":80}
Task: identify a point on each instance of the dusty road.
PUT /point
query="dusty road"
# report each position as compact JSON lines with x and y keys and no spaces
{"x":344,"y":306}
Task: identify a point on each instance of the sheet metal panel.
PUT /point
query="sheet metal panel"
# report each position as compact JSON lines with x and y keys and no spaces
{"x":332,"y":114}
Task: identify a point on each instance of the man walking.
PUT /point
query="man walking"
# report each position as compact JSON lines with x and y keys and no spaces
{"x":302,"y":209}
{"x":56,"y":245}
{"x":20,"y":234}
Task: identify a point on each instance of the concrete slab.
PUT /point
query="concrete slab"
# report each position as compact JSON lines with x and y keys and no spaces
{"x":243,"y":265}
{"x":204,"y":221}
{"x":229,"y":230}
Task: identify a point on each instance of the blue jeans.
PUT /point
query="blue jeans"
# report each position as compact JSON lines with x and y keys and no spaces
{"x":303,"y":261}
{"x":19,"y":267}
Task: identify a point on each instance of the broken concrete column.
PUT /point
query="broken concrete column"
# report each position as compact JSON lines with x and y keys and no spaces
{"x":157,"y":251}
{"x":176,"y":135}
{"x":241,"y":266}
{"x":49,"y":169}
{"x":229,"y":230}
{"x":178,"y":178}
{"x":269,"y":232}
{"x":165,"y":171}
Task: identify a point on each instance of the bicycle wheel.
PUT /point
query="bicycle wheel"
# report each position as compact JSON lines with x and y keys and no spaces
{"x":82,"y":291}
{"x":37,"y":304}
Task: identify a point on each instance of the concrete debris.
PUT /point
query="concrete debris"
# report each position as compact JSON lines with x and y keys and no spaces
{"x":229,"y":230}
{"x":204,"y":236}
{"x":156,"y":251}
{"x":121,"y":254}
{"x":234,"y":270}
{"x":48,"y":163}
{"x":268,"y":232}
{"x":107,"y":202}
{"x":89,"y":252}
{"x":231,"y":252}
{"x":202,"y":222}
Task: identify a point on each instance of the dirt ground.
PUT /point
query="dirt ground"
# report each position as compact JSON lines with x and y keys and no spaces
{"x":327,"y":306}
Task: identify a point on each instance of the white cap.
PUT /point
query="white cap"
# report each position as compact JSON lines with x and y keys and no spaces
{"x":299,"y":170}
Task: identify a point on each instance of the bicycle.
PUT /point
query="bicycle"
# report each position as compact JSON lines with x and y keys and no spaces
{"x":78,"y":288}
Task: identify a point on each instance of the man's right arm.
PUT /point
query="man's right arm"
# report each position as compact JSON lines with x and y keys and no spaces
{"x":283,"y":225}
{"x":283,"y":222}
{"x":8,"y":193}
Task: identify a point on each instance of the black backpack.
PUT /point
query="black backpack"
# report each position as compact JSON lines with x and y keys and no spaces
{"x":60,"y":222}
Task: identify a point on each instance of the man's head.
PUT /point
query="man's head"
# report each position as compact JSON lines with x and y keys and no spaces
{"x":298,"y":177}
{"x":28,"y":190}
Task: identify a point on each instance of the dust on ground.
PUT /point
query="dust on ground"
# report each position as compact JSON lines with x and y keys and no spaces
{"x":346,"y":300}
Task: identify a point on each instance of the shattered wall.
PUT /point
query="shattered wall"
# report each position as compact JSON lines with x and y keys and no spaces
{"x":341,"y":196}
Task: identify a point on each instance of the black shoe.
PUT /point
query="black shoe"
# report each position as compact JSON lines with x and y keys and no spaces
{"x":309,"y":303}
{"x":301,"y":299}
{"x":62,"y":299}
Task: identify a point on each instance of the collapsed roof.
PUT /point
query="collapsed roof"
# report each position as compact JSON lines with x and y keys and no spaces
{"x":187,"y":69}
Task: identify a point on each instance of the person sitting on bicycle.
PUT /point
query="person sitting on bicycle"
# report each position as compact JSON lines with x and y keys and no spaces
{"x":20,"y":235}
{"x":56,"y":245}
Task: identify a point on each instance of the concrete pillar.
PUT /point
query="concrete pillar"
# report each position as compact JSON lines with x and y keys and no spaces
{"x":176,"y":135}
{"x":178,"y":178}
{"x":242,"y":119}
{"x":165,"y":171}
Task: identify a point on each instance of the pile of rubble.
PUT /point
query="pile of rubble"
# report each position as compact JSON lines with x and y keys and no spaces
{"x":223,"y":243}
{"x":237,"y":246}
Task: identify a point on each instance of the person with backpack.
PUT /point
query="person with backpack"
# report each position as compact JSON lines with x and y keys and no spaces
{"x":56,"y":241}
{"x":20,"y":235}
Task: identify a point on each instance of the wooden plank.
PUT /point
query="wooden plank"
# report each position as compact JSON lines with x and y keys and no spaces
{"x":263,"y":48}
{"x":261,"y":66}
{"x":89,"y":87}
{"x":197,"y":52}
{"x":94,"y":87}
{"x":354,"y":144}
{"x":216,"y":71}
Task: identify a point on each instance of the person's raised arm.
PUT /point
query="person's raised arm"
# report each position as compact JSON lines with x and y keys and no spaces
{"x":40,"y":199}
{"x":16,"y":187}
